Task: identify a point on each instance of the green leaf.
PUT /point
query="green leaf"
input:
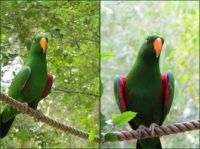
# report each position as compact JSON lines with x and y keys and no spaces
{"x":124,"y":118}
{"x":92,"y":135}
{"x":107,"y":54}
{"x":110,"y":136}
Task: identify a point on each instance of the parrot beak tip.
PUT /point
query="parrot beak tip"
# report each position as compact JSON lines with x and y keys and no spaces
{"x":158,"y":43}
{"x":43,"y":44}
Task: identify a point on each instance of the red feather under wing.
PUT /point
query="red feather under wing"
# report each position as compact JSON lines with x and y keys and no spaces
{"x":166,"y":103}
{"x":121,"y":89}
{"x":48,"y":86}
{"x":165,"y":91}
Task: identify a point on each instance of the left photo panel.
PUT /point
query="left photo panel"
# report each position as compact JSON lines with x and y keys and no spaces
{"x":50,"y":65}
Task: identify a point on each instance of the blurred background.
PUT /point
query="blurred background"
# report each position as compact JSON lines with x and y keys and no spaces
{"x":124,"y":26}
{"x":73,"y":59}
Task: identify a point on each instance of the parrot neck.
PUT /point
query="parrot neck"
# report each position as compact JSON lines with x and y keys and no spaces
{"x":37,"y":63}
{"x":144,"y":70}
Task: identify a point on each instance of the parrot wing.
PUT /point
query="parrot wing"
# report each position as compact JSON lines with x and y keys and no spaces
{"x":119,"y":89}
{"x":8,"y":115}
{"x":19,"y":82}
{"x":167,"y":93}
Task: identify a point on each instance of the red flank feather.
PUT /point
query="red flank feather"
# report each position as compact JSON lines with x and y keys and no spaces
{"x":121,"y":87}
{"x":165,"y":90}
{"x":48,"y":86}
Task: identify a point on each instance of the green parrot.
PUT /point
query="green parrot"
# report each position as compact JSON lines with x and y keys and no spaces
{"x":145,"y":91}
{"x":31,"y":84}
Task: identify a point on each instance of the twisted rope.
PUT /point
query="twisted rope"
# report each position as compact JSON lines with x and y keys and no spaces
{"x":40,"y":117}
{"x":140,"y":133}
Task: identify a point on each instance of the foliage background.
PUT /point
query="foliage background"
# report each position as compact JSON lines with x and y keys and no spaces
{"x":124,"y":26}
{"x":73,"y":59}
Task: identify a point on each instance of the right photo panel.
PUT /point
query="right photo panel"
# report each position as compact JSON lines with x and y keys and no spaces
{"x":149,"y":74}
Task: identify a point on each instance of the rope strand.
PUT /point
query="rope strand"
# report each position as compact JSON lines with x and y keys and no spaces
{"x":140,"y":133}
{"x":40,"y":117}
{"x":158,"y":131}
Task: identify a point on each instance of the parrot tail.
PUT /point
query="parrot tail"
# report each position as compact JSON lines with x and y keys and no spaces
{"x":150,"y":143}
{"x":4,"y":127}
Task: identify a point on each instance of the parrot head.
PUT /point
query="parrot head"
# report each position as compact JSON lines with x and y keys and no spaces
{"x":39,"y":44}
{"x":151,"y":48}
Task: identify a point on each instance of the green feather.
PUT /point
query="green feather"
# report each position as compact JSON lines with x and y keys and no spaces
{"x":19,"y":82}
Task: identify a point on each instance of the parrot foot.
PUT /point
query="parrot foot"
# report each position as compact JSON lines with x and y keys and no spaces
{"x":152,"y":128}
{"x":26,"y":107}
{"x":140,"y":130}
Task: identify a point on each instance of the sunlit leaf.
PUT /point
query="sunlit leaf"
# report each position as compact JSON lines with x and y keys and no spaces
{"x":107,"y":54}
{"x":124,"y":118}
{"x":92,"y":135}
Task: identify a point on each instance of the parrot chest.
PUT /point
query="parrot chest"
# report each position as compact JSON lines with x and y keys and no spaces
{"x":144,"y":98}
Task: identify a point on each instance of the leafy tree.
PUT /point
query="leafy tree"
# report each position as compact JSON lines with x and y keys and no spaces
{"x":73,"y":59}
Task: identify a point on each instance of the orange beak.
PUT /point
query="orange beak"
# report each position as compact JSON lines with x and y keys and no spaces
{"x":157,"y":44}
{"x":43,"y":44}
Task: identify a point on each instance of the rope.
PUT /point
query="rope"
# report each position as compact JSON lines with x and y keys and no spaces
{"x":140,"y":133}
{"x":40,"y":117}
{"x":158,"y":131}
